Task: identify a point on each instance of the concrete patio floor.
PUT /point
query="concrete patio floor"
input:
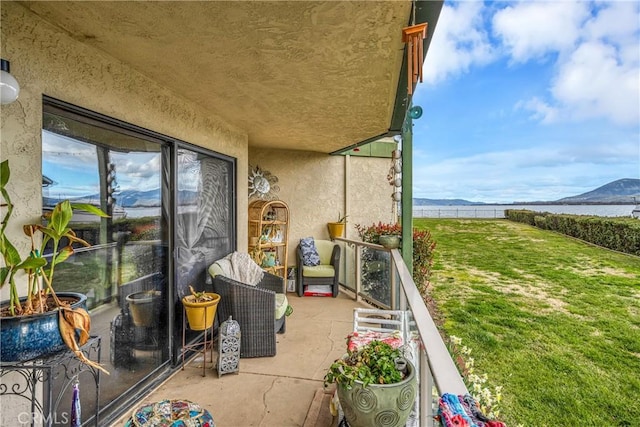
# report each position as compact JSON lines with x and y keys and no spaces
{"x":270,"y":391}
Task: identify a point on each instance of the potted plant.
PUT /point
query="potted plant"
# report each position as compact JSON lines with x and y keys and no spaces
{"x":374,"y":382}
{"x":200,"y":308}
{"x":336,"y":229}
{"x":144,"y":307}
{"x":390,"y":241}
{"x":42,"y":321}
{"x":262,"y":258}
{"x":385,"y":234}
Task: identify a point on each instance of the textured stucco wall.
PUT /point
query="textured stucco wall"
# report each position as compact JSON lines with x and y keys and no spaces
{"x":317,"y":187}
{"x":47,"y":61}
{"x":342,"y":58}
{"x":370,"y":192}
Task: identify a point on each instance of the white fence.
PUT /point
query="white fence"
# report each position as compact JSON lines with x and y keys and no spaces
{"x":462,"y":212}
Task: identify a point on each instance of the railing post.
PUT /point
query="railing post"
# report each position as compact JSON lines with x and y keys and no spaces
{"x":394,"y":282}
{"x":407,"y":188}
{"x":358,"y":271}
{"x":426,"y":392}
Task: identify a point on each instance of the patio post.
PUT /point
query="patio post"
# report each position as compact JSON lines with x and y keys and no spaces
{"x":407,"y":192}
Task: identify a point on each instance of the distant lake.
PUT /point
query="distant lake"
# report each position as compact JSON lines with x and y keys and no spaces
{"x":480,"y":211}
{"x":497,"y":211}
{"x":153,"y":211}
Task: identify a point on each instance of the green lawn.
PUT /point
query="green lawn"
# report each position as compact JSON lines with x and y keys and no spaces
{"x":554,"y":321}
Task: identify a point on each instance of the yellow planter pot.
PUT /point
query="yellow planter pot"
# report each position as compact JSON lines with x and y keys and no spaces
{"x":200,"y":315}
{"x":336,"y":229}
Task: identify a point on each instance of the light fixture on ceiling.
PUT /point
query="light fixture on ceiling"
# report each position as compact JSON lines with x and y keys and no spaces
{"x":9,"y":87}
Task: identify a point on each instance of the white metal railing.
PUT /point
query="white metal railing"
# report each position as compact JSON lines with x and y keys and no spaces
{"x":437,"y":370}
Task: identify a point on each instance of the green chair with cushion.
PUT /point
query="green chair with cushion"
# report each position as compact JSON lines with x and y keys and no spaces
{"x":310,"y":271}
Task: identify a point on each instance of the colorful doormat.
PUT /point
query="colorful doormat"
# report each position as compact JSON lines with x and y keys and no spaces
{"x":171,"y":413}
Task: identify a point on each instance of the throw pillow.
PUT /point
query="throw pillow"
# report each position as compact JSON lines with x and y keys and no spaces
{"x":310,"y":255}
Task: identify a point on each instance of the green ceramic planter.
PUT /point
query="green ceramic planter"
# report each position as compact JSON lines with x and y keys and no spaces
{"x":390,"y":241}
{"x":379,"y":405}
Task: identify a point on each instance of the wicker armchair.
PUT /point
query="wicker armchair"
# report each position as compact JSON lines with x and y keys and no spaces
{"x":253,"y":307}
{"x":327,"y":273}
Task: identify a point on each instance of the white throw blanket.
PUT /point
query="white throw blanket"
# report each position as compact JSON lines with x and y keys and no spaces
{"x":240,"y":267}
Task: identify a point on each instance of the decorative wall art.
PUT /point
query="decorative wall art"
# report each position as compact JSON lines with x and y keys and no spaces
{"x":262,"y":184}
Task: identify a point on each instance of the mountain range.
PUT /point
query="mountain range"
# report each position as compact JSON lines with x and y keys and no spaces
{"x":621,"y":191}
{"x":132,"y":198}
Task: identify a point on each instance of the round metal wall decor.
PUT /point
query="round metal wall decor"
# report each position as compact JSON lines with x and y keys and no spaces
{"x":262,"y":184}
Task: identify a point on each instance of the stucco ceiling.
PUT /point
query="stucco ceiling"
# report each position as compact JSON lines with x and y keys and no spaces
{"x":304,"y":75}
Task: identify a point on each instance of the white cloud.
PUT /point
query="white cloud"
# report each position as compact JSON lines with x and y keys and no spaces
{"x":618,"y":21}
{"x":597,"y":58}
{"x":68,"y":153}
{"x":533,"y":29}
{"x":459,"y":42}
{"x":137,"y":171}
{"x":595,"y":83}
{"x":592,"y":49}
{"x":540,"y":110}
{"x":589,"y":55}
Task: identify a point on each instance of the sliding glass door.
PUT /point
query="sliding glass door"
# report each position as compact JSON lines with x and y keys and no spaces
{"x":172,"y":214}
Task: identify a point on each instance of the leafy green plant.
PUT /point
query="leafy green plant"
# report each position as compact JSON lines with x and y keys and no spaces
{"x":342,"y":219}
{"x":423,"y":251}
{"x":373,"y":363}
{"x":39,"y":270}
{"x":372,"y":233}
{"x":618,"y":233}
{"x":54,"y":231}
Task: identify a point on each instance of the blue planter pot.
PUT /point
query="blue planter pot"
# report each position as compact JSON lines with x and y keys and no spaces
{"x":27,"y":337}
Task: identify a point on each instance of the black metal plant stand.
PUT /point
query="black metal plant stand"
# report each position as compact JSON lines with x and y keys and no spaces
{"x":33,"y":380}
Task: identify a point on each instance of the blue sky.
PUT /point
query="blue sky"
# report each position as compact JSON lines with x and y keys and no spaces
{"x":532,"y":100}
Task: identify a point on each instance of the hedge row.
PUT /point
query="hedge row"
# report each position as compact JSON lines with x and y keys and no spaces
{"x":619,"y":234}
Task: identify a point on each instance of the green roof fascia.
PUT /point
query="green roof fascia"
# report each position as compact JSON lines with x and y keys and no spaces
{"x":425,"y":11}
{"x":381,"y":149}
